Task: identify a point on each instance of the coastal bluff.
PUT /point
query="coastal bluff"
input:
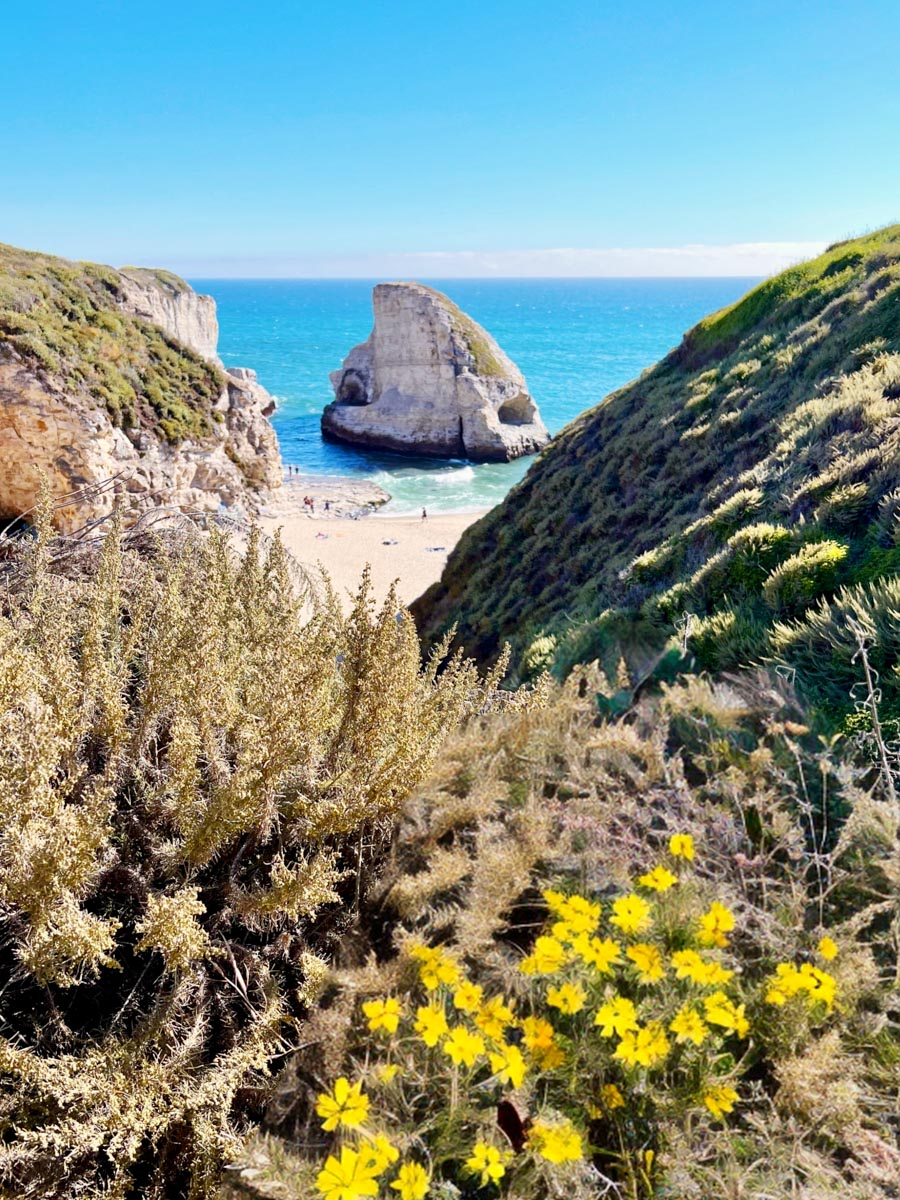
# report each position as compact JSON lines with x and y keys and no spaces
{"x":429,"y":380}
{"x":114,"y":375}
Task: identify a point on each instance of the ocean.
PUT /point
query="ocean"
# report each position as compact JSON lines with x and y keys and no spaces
{"x":575,"y":340}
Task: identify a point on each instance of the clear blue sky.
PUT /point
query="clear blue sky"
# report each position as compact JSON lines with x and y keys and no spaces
{"x":305,"y":137}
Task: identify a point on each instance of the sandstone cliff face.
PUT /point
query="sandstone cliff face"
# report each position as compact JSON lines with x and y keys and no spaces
{"x":429,"y":380}
{"x":167,"y":301}
{"x":114,"y":374}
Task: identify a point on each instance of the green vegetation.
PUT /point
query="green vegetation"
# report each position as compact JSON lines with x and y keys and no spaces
{"x":471,"y":335}
{"x":747,"y":479}
{"x":66,"y":320}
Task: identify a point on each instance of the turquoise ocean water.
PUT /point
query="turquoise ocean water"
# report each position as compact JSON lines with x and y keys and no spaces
{"x":574,"y":339}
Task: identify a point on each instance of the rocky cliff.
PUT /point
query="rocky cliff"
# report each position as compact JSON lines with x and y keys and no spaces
{"x":429,"y":380}
{"x":109,"y":373}
{"x":166,"y":300}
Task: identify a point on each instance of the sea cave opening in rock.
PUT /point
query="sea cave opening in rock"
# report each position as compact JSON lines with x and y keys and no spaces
{"x":518,"y":410}
{"x":352,"y":390}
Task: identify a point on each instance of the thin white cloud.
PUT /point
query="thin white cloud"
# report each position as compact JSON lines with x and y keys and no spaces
{"x":695,"y":259}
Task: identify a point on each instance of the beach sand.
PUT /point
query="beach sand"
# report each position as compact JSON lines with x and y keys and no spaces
{"x":406,"y":549}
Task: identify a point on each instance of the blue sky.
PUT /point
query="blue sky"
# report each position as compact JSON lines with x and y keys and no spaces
{"x":476,"y":137}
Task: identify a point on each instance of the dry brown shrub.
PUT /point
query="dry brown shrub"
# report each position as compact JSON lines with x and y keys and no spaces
{"x":199,"y":768}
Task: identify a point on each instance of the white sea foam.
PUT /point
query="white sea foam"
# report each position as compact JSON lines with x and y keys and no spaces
{"x":452,"y":476}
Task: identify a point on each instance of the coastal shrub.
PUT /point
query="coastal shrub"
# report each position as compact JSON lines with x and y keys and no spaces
{"x":651,"y":564}
{"x":539,"y":655}
{"x":843,"y":507}
{"x":199,"y":767}
{"x":823,"y":649}
{"x":743,"y":370}
{"x":732,"y":512}
{"x":725,"y":640}
{"x":624,"y":962}
{"x":888,"y":518}
{"x":804,"y":576}
{"x":756,"y":549}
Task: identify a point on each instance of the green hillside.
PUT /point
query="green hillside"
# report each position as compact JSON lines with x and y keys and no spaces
{"x":66,"y":319}
{"x":732,"y":506}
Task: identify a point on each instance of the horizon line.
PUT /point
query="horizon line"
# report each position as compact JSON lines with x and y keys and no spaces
{"x":463,"y":278}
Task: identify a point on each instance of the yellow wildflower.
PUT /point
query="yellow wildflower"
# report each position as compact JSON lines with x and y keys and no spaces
{"x":643,"y":1047}
{"x":537,"y":1032}
{"x":828,"y":948}
{"x":617,"y":1016}
{"x":648,"y":961}
{"x":436,"y":967}
{"x":822,"y":986}
{"x":577,"y":915}
{"x":720,"y":1100}
{"x":681,"y":845}
{"x":716,"y":974}
{"x":568,"y":998}
{"x":598,"y":954}
{"x":344,"y":1105}
{"x":509,"y":1065}
{"x":715,"y":924}
{"x":548,"y":955}
{"x":494,"y":1016}
{"x":540,"y":1041}
{"x":555,"y":1143}
{"x":411,"y":1181}
{"x":688,"y":964}
{"x":659,"y":879}
{"x":554,"y":901}
{"x":631,"y":914}
{"x":383,"y":1014}
{"x":467,"y":997}
{"x":809,"y":981}
{"x":347,"y":1178}
{"x":463,"y":1047}
{"x":431,"y":1024}
{"x":725,"y":1013}
{"x":487,"y":1162}
{"x":378,"y":1153}
{"x":548,"y":1057}
{"x":612,"y":1097}
{"x":388,"y":1072}
{"x":688,"y":1026}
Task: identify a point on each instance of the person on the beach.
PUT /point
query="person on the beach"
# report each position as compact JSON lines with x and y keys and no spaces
{"x":328,"y":506}
{"x":424,"y":515}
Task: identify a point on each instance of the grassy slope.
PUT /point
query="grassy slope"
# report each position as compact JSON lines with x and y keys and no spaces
{"x":746,"y":479}
{"x":64,"y":317}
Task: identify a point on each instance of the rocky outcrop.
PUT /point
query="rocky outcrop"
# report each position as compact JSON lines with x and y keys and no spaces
{"x":45,"y":428}
{"x":429,"y":380}
{"x":108,"y":375}
{"x":165,"y":300}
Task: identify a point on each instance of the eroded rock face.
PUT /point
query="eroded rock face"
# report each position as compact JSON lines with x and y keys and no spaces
{"x":71,"y":439}
{"x":49,"y":424}
{"x":169,"y":302}
{"x":429,"y":380}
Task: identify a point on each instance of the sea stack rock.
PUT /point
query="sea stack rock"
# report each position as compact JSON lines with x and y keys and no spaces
{"x":429,"y":380}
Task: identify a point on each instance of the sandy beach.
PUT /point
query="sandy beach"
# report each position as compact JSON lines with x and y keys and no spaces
{"x":407,"y":549}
